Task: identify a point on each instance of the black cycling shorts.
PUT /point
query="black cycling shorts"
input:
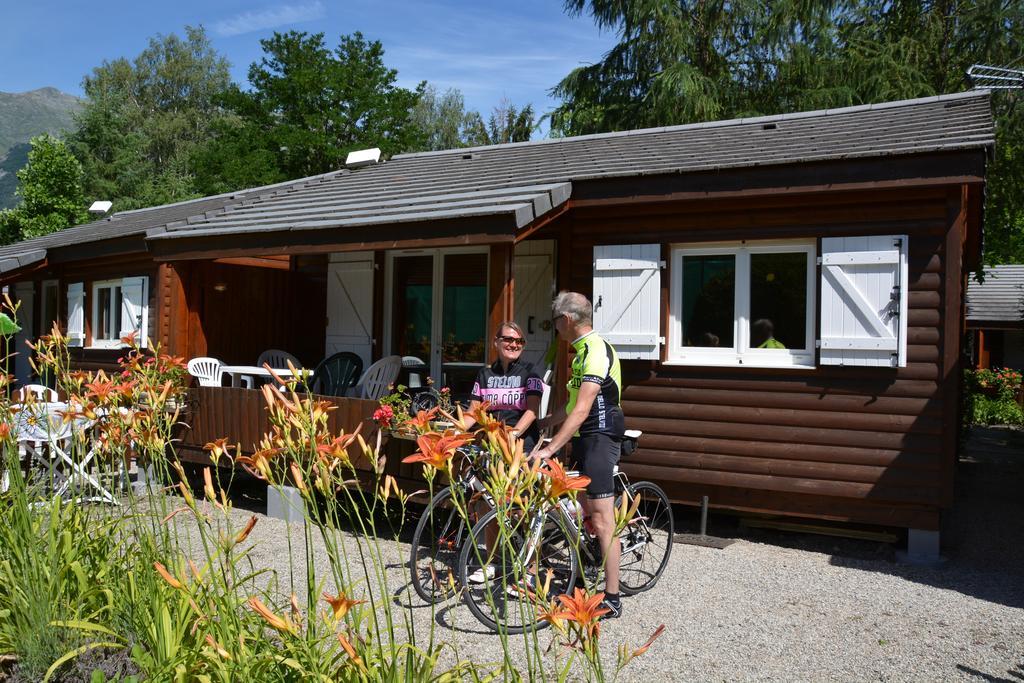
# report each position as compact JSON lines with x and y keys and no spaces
{"x":596,"y":456}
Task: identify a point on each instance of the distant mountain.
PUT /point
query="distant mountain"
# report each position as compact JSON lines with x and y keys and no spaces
{"x":23,"y":116}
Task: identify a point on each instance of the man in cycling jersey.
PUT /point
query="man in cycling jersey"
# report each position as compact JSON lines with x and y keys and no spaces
{"x":592,"y":419}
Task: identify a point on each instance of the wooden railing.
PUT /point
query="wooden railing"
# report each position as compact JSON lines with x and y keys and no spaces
{"x":240,"y":415}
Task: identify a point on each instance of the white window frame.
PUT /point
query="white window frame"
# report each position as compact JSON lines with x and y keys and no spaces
{"x":437,"y":301}
{"x":115,"y":342}
{"x":741,"y":355}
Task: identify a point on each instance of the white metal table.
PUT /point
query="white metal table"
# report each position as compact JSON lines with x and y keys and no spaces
{"x":238,"y":372}
{"x":46,"y":439}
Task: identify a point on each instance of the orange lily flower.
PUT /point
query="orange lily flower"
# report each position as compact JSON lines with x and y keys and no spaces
{"x":167,"y":576}
{"x":258,"y":464}
{"x":282,"y":624}
{"x":585,"y":611}
{"x":340,"y":605}
{"x":217,"y":448}
{"x":436,"y":449}
{"x":101,"y":388}
{"x":244,"y":533}
{"x":208,"y":490}
{"x":484,"y":419}
{"x":554,"y":615}
{"x":559,"y":482}
{"x":337,"y":448}
{"x":350,"y":651}
{"x":654,"y":636}
{"x":421,"y":423}
{"x":217,"y":647}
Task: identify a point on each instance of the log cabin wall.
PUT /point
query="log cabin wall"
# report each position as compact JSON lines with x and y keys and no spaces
{"x":234,"y":313}
{"x":869,"y":445}
{"x":88,"y":272}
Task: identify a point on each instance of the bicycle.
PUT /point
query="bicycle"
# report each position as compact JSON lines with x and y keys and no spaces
{"x":442,"y":528}
{"x":549,"y":547}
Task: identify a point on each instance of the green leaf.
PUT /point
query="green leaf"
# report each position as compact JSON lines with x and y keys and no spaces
{"x":74,"y":653}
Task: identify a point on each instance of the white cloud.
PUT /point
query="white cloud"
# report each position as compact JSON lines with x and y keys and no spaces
{"x":272,"y":17}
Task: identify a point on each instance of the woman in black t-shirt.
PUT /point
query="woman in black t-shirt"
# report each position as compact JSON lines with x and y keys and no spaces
{"x":511,"y":386}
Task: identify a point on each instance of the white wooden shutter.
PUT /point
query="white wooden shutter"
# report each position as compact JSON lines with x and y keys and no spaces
{"x":134,"y":305}
{"x":76,"y":314}
{"x":627,"y":298}
{"x":864,"y":301}
{"x":350,"y":304}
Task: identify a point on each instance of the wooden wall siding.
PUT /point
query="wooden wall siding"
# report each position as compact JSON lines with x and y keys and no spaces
{"x":259,"y":308}
{"x":871,"y":445}
{"x":87,"y":273}
{"x":501,"y":290}
{"x":240,"y":415}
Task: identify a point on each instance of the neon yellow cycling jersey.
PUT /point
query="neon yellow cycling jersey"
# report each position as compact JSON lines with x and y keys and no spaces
{"x":597,"y":362}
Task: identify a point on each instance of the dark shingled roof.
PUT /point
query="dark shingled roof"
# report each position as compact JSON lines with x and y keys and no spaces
{"x":1000,"y":298}
{"x":515,"y":184}
{"x":127,"y":224}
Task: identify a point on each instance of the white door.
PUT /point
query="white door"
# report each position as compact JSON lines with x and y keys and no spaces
{"x":24,"y":292}
{"x":534,"y":273}
{"x":437,"y":312}
{"x":350,"y":304}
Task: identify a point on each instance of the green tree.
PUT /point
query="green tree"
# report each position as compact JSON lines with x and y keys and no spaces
{"x":50,"y":187}
{"x":309,"y":106}
{"x":684,"y":61}
{"x":145,"y":118}
{"x":443,"y":119}
{"x":505,"y":124}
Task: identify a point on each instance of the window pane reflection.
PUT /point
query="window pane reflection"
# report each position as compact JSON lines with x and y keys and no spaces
{"x":709,"y":295}
{"x":463,"y":319}
{"x":778,"y":301}
{"x":413,"y":304}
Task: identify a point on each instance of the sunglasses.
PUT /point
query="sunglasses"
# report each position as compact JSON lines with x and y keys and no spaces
{"x":518,"y":341}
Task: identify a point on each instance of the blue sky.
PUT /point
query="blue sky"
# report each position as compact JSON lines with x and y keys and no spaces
{"x":488,"y":50}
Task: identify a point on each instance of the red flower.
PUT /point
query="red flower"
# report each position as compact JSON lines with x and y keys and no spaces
{"x":383,"y":416}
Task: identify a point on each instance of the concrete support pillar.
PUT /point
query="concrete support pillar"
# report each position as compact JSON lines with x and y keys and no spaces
{"x":284,"y":502}
{"x":146,"y":480}
{"x":922,"y":548}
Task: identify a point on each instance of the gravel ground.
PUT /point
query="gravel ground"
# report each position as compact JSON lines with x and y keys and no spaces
{"x":779,"y":606}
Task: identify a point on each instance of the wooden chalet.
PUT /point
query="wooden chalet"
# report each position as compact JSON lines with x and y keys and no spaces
{"x":786,"y":292}
{"x":995,"y":317}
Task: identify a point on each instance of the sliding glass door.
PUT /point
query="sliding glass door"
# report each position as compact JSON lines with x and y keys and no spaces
{"x":438,"y":312}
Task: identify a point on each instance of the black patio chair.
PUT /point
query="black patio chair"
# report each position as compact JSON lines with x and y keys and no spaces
{"x":336,"y":374}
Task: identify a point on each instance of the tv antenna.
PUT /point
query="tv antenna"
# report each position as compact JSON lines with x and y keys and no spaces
{"x":985,"y":77}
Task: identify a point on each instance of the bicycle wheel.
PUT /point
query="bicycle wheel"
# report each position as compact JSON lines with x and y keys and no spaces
{"x":503,"y":597}
{"x":435,"y":548}
{"x":647,"y":540}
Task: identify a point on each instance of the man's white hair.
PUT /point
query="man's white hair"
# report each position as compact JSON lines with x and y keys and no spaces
{"x":574,"y":305}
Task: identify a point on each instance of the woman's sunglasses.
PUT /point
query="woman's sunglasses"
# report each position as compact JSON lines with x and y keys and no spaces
{"x":518,"y":341}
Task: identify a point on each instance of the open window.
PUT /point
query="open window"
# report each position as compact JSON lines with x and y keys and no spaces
{"x":747,"y":303}
{"x":119,"y":308}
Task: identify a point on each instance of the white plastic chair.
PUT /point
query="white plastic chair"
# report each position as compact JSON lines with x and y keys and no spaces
{"x":378,"y":377}
{"x":206,"y":370}
{"x":415,"y":378}
{"x":545,"y":397}
{"x":39,"y":392}
{"x":277,"y":359}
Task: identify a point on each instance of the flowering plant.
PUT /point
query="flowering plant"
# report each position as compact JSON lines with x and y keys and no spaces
{"x":993,"y":396}
{"x":383,"y":416}
{"x":398,"y":402}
